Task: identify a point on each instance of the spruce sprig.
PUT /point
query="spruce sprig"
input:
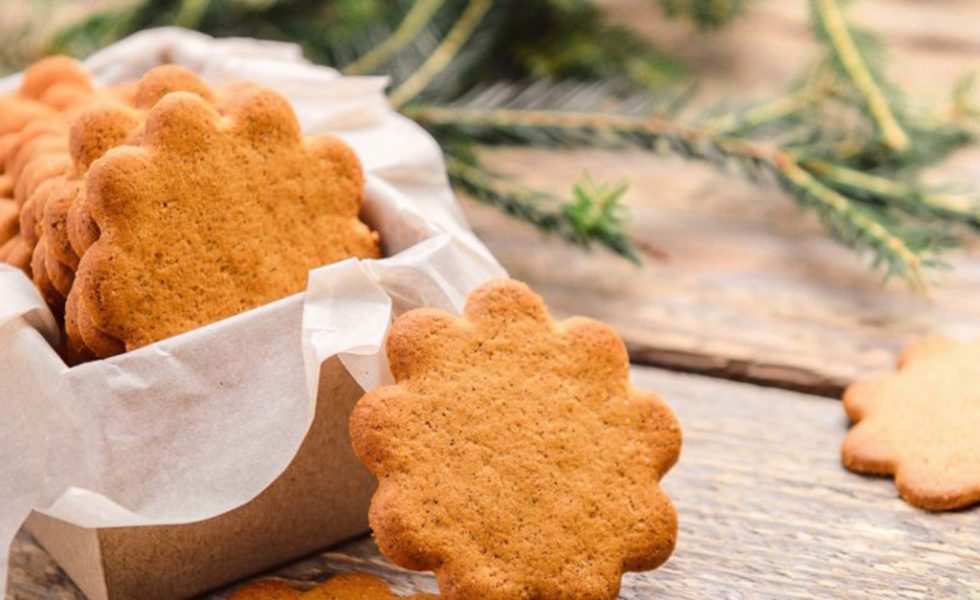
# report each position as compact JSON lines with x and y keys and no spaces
{"x":706,"y":14}
{"x":901,"y":251}
{"x":419,"y":17}
{"x":444,"y":54}
{"x":843,"y":45}
{"x":594,"y":215}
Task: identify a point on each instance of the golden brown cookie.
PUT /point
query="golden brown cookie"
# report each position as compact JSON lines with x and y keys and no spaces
{"x":9,"y":218}
{"x":91,"y":336}
{"x":49,"y":72}
{"x":14,"y":143}
{"x":17,"y":253}
{"x":356,"y":586}
{"x":39,"y":274}
{"x":921,"y":424}
{"x":76,"y":352}
{"x":350,"y":586}
{"x":32,"y":205}
{"x":167,"y":79}
{"x":93,"y":133}
{"x":513,"y":456}
{"x":32,"y":164}
{"x":266,"y":589}
{"x":16,"y":113}
{"x":209,"y":216}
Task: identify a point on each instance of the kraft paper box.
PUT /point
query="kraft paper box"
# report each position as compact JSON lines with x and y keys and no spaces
{"x":216,"y":454}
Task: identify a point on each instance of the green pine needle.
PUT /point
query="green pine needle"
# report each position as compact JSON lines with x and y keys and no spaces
{"x":595,"y":215}
{"x":460,"y":33}
{"x":706,"y":14}
{"x":418,"y":18}
{"x":900,"y":251}
{"x":829,"y":22}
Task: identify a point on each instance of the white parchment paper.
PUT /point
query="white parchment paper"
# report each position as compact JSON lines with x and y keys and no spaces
{"x":197,"y":425}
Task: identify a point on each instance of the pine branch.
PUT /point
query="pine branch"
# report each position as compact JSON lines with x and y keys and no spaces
{"x":444,"y":54}
{"x":758,"y":115}
{"x":911,"y":198}
{"x":857,"y":226}
{"x":595,"y":215}
{"x":706,"y":14}
{"x":416,"y":20}
{"x":830,"y":24}
{"x":791,"y":108}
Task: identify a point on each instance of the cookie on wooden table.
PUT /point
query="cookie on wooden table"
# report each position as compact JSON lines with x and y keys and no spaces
{"x":921,"y":424}
{"x":266,"y":589}
{"x":210,"y":215}
{"x":356,"y":586}
{"x":513,"y":456}
{"x":349,"y":586}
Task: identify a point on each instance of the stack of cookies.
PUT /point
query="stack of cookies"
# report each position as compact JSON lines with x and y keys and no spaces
{"x":156,"y":207}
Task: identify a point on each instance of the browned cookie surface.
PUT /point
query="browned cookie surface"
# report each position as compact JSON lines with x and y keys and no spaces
{"x":349,"y":586}
{"x":9,"y":219}
{"x":514,"y":457}
{"x":212,"y":215}
{"x":47,"y":73}
{"x":921,"y":424}
{"x":356,"y":586}
{"x":16,"y":252}
{"x":266,"y":589}
{"x":76,"y":352}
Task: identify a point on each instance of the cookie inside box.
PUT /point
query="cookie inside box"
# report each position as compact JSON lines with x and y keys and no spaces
{"x":128,"y":200}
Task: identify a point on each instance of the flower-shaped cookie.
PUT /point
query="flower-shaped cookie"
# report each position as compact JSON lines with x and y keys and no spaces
{"x":514,"y":457}
{"x":921,"y":424}
{"x":351,"y":586}
{"x":210,"y":214}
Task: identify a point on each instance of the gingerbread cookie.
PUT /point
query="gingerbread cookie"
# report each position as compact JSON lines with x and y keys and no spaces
{"x":350,"y":586}
{"x":17,"y":253}
{"x":9,"y":218}
{"x":53,"y":72}
{"x":921,"y":425}
{"x":208,"y":216}
{"x":513,"y":456}
{"x":356,"y":586}
{"x":266,"y":589}
{"x":94,"y":131}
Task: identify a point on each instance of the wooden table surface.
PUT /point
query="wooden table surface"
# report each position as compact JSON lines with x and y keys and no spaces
{"x":751,"y":290}
{"x":765,"y":510}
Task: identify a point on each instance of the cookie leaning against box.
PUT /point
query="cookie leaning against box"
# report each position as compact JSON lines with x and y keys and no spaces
{"x":210,"y":215}
{"x":921,"y":424}
{"x":513,"y":456}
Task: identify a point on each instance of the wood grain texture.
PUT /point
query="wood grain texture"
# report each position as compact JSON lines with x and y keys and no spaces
{"x":751,"y":288}
{"x":765,"y":509}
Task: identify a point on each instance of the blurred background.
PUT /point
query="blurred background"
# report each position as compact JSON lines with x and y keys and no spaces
{"x":779,"y":191}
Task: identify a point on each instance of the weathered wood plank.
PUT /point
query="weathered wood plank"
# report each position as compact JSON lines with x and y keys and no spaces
{"x":751,"y":288}
{"x":765,"y":510}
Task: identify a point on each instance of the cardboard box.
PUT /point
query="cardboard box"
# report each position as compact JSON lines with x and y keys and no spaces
{"x":320,"y":500}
